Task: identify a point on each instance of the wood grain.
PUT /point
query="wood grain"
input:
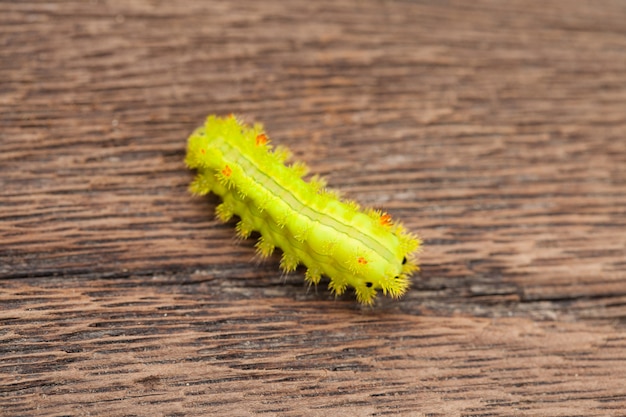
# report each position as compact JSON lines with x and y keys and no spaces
{"x":496,"y":130}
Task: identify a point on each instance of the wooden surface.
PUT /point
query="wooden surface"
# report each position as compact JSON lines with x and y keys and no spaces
{"x":496,"y":130}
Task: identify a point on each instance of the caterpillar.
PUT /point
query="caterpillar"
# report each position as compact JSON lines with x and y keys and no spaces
{"x":362,"y":249}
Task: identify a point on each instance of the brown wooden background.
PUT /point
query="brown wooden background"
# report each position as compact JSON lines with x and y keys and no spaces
{"x":497,"y":130}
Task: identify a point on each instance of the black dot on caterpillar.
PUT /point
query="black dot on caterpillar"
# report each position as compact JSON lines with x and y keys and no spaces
{"x":368,"y":284}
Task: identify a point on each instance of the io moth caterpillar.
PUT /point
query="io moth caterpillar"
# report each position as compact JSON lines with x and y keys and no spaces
{"x":365,"y":250}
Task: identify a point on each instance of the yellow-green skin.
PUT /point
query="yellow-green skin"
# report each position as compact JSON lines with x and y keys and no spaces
{"x":361,"y":249}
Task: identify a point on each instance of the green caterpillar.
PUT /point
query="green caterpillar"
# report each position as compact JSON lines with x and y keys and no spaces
{"x":364,"y":250}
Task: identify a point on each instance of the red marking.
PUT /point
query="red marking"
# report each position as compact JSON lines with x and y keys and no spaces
{"x":227,"y":171}
{"x":385,"y":220}
{"x":362,"y":260}
{"x":261,"y":139}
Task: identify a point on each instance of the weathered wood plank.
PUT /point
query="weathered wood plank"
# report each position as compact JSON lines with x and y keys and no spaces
{"x":135,"y":346}
{"x":495,"y":130}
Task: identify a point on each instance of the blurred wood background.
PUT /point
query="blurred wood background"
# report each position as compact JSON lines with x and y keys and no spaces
{"x":496,"y":130}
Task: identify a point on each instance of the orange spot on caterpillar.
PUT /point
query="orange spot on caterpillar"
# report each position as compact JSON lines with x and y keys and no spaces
{"x":362,"y":260}
{"x":227,"y":171}
{"x":261,"y":139}
{"x":203,"y":151}
{"x":385,"y":220}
